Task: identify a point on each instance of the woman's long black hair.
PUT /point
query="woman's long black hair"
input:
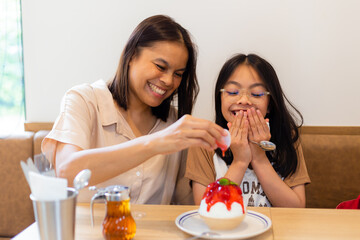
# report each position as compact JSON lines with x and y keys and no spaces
{"x":284,"y":129}
{"x":151,"y":30}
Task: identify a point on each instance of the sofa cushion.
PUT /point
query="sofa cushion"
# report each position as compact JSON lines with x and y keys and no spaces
{"x":333,"y":162}
{"x":16,"y":212}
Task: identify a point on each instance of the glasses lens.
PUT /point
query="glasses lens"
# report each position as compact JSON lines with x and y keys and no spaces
{"x":252,"y":95}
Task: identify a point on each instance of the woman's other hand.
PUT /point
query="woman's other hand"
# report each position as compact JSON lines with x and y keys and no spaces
{"x":187,"y":132}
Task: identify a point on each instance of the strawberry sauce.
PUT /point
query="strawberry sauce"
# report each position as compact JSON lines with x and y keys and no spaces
{"x":225,"y":191}
{"x":223,"y":148}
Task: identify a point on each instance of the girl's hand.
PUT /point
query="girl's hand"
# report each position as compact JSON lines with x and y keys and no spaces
{"x":259,"y":130}
{"x":187,"y":132}
{"x":239,"y":131}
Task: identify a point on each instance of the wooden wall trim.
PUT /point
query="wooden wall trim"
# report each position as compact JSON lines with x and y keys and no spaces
{"x":326,"y":130}
{"x":331,"y":130}
{"x":37,"y":126}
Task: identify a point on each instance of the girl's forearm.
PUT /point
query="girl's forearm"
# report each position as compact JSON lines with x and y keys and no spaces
{"x":279,"y":194}
{"x":236,"y":171}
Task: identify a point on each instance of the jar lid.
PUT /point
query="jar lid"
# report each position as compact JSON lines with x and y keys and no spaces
{"x":117,"y":193}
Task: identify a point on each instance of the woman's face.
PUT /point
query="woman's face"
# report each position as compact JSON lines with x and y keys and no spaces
{"x":155,"y":72}
{"x":243,"y":90}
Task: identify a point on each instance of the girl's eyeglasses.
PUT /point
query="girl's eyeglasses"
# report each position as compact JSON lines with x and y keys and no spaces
{"x":254,"y":96}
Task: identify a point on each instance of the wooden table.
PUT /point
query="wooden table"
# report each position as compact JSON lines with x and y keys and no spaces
{"x":158,"y":222}
{"x":311,"y":223}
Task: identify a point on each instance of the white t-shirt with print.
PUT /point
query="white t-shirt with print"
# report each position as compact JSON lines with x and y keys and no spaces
{"x":253,"y":194}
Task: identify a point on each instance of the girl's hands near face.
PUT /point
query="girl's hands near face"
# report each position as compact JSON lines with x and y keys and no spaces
{"x":239,"y":131}
{"x":259,"y":130}
{"x":187,"y":132}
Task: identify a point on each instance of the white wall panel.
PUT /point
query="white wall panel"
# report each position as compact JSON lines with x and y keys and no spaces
{"x":314,"y":45}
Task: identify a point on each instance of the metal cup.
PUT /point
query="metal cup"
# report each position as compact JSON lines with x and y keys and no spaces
{"x":56,"y":219}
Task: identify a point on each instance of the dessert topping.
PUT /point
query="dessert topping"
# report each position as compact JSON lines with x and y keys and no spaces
{"x":225,"y":191}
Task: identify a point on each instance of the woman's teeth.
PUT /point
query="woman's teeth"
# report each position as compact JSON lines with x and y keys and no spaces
{"x":156,"y":89}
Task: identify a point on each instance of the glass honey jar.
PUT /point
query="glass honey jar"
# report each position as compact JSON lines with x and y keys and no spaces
{"x":118,"y":223}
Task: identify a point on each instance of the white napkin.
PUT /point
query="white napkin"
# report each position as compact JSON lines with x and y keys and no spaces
{"x":47,"y":188}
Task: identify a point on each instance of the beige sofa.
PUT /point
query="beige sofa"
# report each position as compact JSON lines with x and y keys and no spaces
{"x":332,"y":155}
{"x":16,"y":212}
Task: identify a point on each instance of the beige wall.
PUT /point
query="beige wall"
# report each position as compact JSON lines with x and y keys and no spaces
{"x":313,"y":45}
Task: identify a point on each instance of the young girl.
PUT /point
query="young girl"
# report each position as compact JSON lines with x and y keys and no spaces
{"x":126,"y":131}
{"x":248,"y":97}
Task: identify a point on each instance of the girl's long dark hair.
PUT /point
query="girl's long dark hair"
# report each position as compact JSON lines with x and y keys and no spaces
{"x":155,"y":29}
{"x":284,"y":129}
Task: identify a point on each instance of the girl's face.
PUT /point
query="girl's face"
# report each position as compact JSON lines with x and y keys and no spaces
{"x":155,"y":72}
{"x":243,"y":90}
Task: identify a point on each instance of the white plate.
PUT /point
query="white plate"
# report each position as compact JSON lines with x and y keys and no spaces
{"x":253,"y":224}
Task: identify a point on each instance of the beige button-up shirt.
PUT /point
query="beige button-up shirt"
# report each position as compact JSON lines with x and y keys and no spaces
{"x":89,"y":119}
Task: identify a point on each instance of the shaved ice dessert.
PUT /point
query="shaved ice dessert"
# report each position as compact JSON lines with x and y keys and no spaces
{"x":222,"y":206}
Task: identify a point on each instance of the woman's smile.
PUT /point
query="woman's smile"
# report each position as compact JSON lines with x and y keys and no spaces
{"x":157,"y":90}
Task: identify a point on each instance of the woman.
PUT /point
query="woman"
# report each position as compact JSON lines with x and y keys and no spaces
{"x":128,"y":131}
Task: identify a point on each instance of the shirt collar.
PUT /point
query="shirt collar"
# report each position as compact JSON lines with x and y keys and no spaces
{"x":108,"y":112}
{"x":105,"y":103}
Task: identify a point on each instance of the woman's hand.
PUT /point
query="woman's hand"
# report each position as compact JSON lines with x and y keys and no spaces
{"x":187,"y":132}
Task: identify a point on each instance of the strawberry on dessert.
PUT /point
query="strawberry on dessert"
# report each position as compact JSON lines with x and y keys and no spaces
{"x":222,"y":206}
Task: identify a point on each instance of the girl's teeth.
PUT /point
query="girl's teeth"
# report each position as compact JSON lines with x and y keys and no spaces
{"x":156,"y":89}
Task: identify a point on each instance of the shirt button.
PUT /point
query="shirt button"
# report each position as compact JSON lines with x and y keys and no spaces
{"x":138,"y":173}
